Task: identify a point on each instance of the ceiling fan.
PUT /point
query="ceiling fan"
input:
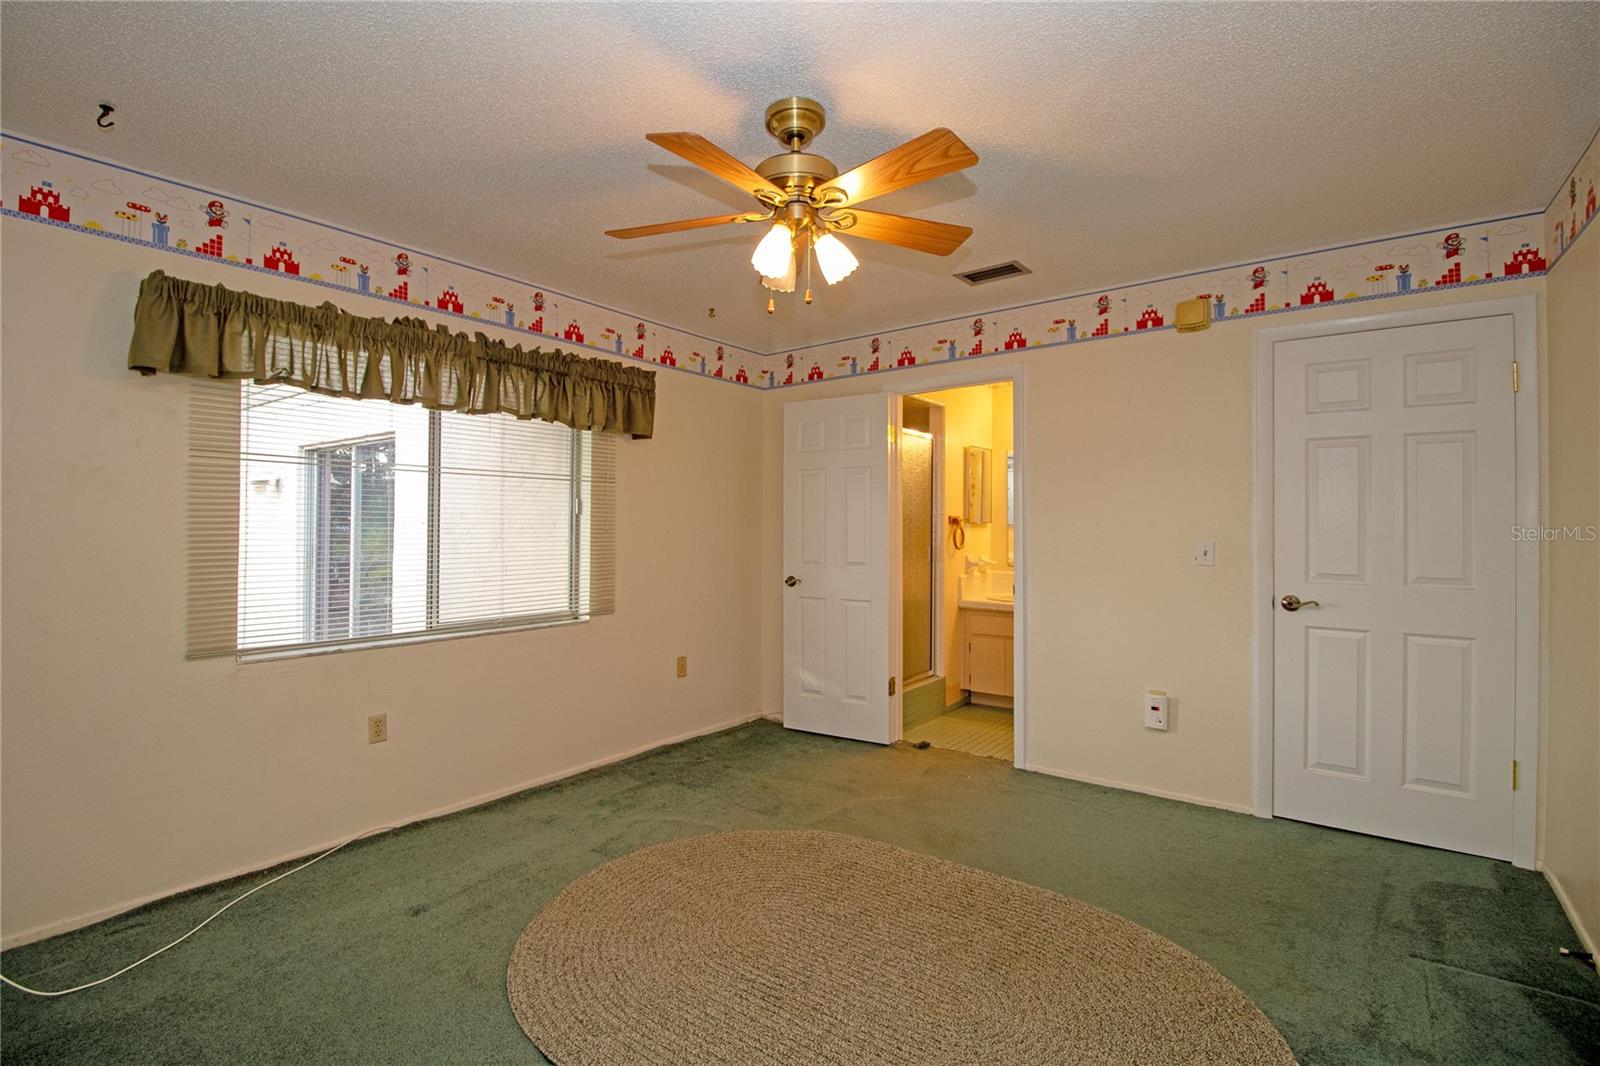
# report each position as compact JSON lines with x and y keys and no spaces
{"x":808,"y":201}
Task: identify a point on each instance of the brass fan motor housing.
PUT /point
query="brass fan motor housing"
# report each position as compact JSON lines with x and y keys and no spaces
{"x":797,"y":172}
{"x":795,"y":120}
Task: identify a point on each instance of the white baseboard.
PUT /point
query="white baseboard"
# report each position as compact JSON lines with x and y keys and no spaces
{"x":1103,"y":782}
{"x":1565,"y":900}
{"x":67,"y":925}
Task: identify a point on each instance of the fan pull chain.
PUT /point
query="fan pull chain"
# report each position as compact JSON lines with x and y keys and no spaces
{"x":808,"y":272}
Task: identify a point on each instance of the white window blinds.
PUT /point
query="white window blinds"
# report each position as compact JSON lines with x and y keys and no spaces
{"x":319,"y":522}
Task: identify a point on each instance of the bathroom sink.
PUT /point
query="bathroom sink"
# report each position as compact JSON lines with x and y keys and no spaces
{"x":989,"y":590}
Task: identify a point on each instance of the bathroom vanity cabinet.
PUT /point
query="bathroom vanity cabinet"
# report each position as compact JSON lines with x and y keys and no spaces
{"x":987,"y":638}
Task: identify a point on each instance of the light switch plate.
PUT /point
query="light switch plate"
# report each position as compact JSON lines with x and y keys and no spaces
{"x":1205,"y":553}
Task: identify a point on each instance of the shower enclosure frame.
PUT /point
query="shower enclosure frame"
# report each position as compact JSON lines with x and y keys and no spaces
{"x":936,"y":534}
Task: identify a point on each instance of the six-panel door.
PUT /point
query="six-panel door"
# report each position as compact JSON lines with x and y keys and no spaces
{"x":836,"y":551}
{"x":1394,"y":498}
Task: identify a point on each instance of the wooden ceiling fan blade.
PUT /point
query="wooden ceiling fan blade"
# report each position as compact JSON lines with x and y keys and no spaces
{"x":708,"y":157}
{"x":934,"y":154}
{"x":918,"y":234}
{"x":680,"y":225}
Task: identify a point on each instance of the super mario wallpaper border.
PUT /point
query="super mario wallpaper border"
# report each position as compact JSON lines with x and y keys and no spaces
{"x":43,"y":183}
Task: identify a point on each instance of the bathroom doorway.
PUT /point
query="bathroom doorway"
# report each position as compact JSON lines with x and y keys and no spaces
{"x":957,"y":512}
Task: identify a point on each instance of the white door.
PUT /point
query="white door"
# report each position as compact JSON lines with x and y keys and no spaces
{"x":836,"y":567}
{"x":1394,"y":498}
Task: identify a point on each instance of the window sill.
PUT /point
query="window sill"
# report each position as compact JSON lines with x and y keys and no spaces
{"x":432,"y":636}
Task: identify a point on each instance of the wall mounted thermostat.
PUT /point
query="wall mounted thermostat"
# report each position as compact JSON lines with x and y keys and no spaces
{"x":1155,"y":710}
{"x":1194,"y":315}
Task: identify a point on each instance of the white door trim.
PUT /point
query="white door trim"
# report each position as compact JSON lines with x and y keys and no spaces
{"x":1528,"y":715}
{"x":896,"y":589}
{"x":948,"y":376}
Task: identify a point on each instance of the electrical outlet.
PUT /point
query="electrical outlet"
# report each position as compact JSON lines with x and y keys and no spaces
{"x":683,"y":666}
{"x":377,"y":728}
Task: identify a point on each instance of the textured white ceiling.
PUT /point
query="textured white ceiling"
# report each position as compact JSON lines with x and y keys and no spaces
{"x":1118,"y":142}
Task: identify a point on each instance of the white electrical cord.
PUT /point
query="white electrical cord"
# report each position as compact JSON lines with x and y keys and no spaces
{"x":216,"y":914}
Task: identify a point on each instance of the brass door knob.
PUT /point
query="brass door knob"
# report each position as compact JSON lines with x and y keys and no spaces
{"x":791,"y":581}
{"x":1292,"y":602}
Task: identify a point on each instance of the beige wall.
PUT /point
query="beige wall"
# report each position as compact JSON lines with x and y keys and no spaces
{"x":1134,"y":449}
{"x":128,"y":772}
{"x":1571,"y":808}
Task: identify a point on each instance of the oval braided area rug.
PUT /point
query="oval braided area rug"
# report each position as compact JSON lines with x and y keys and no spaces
{"x":808,"y":947}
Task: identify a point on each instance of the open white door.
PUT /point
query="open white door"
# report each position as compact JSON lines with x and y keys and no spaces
{"x":1395,"y":495}
{"x":836,"y":564}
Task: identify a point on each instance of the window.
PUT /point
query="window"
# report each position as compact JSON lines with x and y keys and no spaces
{"x":350,"y":543}
{"x":320,"y":522}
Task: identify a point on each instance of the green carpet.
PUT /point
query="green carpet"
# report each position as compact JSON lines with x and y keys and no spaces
{"x":395,"y":950}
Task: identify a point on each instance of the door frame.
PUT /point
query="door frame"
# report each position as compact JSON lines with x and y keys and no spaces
{"x":937,"y":378}
{"x":1528,"y":712}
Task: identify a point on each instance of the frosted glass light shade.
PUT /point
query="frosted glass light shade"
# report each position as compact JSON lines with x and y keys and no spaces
{"x":785,"y":283}
{"x":774,"y":256}
{"x":834,"y":259}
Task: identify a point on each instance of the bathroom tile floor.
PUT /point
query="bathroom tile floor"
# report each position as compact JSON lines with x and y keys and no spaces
{"x":974,"y":729}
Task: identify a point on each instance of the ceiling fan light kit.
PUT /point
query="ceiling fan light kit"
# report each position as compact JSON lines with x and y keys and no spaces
{"x":834,"y":259}
{"x":808,"y":201}
{"x":785,"y":282}
{"x":774,"y":256}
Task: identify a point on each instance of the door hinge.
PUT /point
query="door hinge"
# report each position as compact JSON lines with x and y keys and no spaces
{"x":891,"y":685}
{"x":1516,"y":379}
{"x":1514,"y":775}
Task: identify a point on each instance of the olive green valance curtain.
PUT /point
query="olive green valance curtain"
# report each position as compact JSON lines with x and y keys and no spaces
{"x":183,"y":327}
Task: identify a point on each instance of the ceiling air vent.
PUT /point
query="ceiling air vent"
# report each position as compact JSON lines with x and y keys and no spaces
{"x":984,"y":275}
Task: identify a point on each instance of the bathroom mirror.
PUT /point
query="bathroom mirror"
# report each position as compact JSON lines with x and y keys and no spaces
{"x":978,"y":492}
